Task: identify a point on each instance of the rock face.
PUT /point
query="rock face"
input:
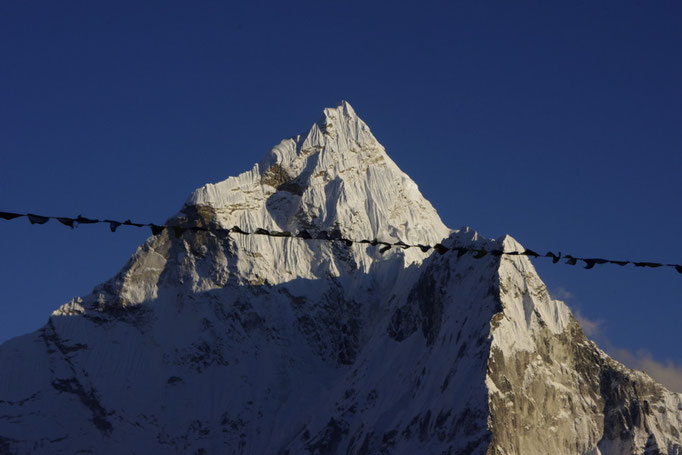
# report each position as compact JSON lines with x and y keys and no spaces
{"x":252,"y":344}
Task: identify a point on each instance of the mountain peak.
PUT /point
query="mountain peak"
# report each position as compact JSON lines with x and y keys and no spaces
{"x":335,"y":177}
{"x":336,"y":117}
{"x":339,"y":129}
{"x":208,"y":342}
{"x":343,"y":108}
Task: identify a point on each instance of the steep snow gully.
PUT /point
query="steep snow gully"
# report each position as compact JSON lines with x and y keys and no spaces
{"x":259,"y":345}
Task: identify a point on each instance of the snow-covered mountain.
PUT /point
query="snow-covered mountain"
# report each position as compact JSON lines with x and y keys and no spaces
{"x":211,"y":343}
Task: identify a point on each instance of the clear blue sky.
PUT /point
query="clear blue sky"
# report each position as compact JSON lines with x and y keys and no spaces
{"x":560,"y":125}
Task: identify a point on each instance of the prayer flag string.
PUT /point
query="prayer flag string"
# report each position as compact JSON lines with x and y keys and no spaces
{"x":477,"y":253}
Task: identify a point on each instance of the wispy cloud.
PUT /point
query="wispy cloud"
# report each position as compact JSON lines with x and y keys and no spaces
{"x":561,"y":293}
{"x":667,"y":373}
{"x":592,"y":328}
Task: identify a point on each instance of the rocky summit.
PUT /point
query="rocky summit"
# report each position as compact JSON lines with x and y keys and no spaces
{"x":208,"y":343}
